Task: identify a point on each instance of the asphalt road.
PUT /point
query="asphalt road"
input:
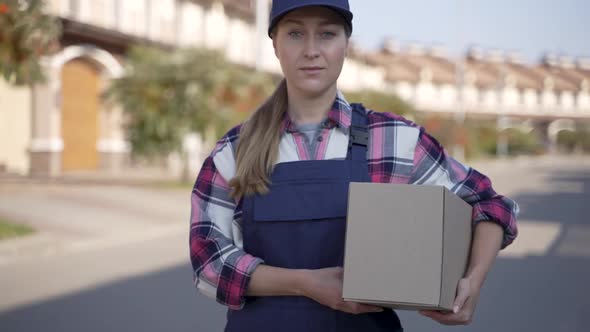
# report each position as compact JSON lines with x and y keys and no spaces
{"x":540,"y":284}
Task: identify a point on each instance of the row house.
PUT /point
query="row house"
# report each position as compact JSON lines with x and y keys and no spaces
{"x":490,"y":82}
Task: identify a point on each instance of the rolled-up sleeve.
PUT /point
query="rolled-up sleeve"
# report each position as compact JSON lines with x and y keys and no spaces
{"x":432,"y":165}
{"x":222,"y":270}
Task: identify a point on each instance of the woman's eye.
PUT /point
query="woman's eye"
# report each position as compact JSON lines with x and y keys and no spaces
{"x":328,"y":35}
{"x":295,"y":34}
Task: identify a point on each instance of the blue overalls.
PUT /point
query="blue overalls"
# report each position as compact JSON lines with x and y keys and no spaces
{"x":301,"y":224}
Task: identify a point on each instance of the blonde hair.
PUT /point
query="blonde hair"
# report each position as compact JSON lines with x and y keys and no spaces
{"x":258,"y":146}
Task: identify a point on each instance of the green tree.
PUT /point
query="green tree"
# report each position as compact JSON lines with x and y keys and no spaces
{"x":380,"y":101}
{"x":583,"y":136}
{"x":168,"y":94}
{"x":26,"y":34}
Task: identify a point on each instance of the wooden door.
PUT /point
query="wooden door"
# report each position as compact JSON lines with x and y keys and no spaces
{"x":80,"y":104}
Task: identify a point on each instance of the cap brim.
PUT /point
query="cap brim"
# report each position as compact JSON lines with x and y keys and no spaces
{"x":346,"y":14}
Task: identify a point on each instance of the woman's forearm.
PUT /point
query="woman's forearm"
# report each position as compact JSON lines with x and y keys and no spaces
{"x":487,"y":241}
{"x":273,"y":281}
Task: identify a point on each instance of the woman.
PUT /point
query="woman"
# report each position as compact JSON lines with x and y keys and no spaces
{"x":266,"y":237}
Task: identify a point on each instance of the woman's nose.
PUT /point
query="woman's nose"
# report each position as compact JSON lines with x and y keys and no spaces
{"x":311,"y":48}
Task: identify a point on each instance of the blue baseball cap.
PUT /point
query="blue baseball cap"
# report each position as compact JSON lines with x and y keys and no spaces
{"x":280,"y":8}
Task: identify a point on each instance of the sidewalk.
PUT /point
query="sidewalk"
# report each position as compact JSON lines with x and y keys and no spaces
{"x":79,"y":216}
{"x":129,"y":177}
{"x":87,"y":235}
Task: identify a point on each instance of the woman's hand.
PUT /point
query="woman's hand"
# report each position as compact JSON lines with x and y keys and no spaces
{"x":463,"y":308}
{"x":325,"y":287}
{"x":486,"y":244}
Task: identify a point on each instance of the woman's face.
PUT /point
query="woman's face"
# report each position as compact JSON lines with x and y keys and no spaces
{"x":311,"y":44}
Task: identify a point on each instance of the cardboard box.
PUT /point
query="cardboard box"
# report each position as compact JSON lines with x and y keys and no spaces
{"x":407,"y":246}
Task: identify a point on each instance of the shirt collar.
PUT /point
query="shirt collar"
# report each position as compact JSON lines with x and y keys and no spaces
{"x":340,"y":115}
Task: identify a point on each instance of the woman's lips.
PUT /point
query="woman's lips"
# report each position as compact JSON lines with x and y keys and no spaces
{"x":312,"y":70}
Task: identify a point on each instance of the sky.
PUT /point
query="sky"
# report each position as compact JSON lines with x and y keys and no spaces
{"x":529,"y":27}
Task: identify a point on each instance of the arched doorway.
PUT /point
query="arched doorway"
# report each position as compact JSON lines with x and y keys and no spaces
{"x":79,"y":115}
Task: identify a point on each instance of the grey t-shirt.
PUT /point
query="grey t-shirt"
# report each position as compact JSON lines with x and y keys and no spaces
{"x":311,"y":132}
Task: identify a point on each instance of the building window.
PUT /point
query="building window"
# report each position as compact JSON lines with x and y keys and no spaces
{"x":97,"y":12}
{"x":191,"y":24}
{"x":60,"y":7}
{"x":162,"y":24}
{"x":133,"y":17}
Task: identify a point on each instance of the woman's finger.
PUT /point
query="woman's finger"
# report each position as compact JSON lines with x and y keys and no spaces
{"x":359,"y":308}
{"x":369,"y":308}
{"x":461,"y":318}
{"x":463,"y":292}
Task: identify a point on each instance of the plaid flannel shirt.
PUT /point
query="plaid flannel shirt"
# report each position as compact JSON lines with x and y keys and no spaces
{"x":399,"y":151}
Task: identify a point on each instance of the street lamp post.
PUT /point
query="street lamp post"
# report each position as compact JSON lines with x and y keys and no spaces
{"x":502,"y":122}
{"x":262,"y":16}
{"x":459,"y":115}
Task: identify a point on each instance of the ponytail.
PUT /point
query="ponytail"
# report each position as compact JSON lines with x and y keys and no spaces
{"x":258,"y":146}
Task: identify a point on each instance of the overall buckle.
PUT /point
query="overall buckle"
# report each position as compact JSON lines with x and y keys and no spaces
{"x":359,"y":135}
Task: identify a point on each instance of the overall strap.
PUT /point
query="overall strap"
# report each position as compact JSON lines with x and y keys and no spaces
{"x":359,"y":134}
